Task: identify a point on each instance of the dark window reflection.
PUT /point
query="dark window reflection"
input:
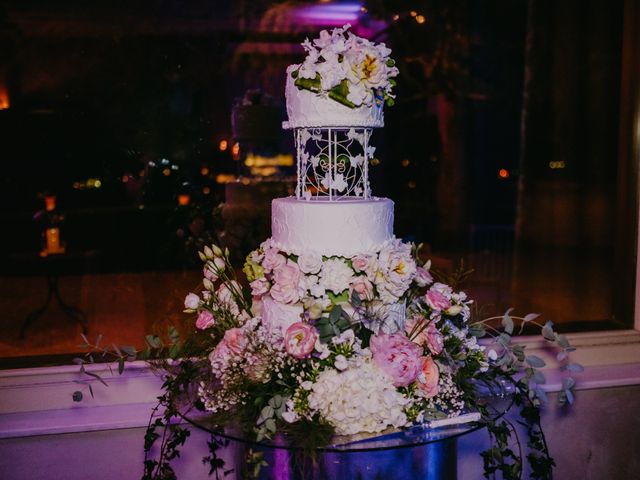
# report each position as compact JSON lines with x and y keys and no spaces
{"x":503,"y":150}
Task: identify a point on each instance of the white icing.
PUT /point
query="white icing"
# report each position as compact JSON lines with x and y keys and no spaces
{"x":309,"y":109}
{"x":344,"y":228}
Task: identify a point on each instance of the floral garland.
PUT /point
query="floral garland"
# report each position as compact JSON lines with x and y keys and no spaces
{"x":348,"y":69}
{"x":336,"y":369}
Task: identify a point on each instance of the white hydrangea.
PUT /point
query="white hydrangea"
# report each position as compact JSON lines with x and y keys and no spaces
{"x":336,"y":275}
{"x":359,"y":399}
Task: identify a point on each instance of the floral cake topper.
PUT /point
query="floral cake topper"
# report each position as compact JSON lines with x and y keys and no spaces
{"x":348,"y":69}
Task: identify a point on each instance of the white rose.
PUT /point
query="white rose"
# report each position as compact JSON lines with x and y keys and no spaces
{"x":192,"y":301}
{"x":310,"y":262}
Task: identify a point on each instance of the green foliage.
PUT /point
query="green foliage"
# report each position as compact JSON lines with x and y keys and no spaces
{"x":522,"y":371}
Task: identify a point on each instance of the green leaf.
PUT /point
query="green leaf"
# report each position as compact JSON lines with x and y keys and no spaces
{"x":547,"y":331}
{"x":538,"y":377}
{"x":574,"y":367}
{"x":535,"y":361}
{"x":153,"y":341}
{"x":270,"y":425}
{"x":541,"y":394}
{"x":530,"y":317}
{"x":563,"y":341}
{"x":120,"y":365}
{"x":507,"y":322}
{"x":335,"y":314}
{"x":97,"y":377}
{"x":131,"y":351}
{"x":477,"y":330}
{"x":568,"y":383}
{"x":311,"y":84}
{"x":355,"y":299}
{"x":570,"y":397}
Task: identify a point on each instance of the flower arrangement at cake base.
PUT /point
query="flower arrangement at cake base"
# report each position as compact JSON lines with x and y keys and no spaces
{"x":338,"y":367}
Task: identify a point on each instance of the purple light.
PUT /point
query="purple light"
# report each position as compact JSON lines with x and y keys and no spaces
{"x":329,"y":14}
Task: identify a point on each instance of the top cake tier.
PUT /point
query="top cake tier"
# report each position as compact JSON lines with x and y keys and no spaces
{"x":344,"y":81}
{"x":307,"y":109}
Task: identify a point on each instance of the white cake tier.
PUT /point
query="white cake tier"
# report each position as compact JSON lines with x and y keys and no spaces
{"x":343,"y":228}
{"x":309,"y":109}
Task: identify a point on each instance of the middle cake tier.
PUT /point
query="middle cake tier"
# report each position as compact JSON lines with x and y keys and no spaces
{"x":344,"y":228}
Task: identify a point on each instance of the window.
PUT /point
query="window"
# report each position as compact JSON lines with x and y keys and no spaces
{"x":509,"y":147}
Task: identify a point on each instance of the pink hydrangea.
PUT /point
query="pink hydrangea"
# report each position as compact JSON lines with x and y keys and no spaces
{"x":398,"y":357}
{"x":300,"y":339}
{"x":437,"y":300}
{"x":205,"y":319}
{"x":429,"y":378}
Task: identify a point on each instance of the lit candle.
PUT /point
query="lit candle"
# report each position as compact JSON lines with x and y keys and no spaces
{"x":53,"y":240}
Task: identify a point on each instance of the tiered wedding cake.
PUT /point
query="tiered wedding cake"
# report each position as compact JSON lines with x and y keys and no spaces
{"x":341,"y":328}
{"x":333,"y":226}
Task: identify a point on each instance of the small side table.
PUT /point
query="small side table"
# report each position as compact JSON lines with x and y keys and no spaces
{"x":54,"y":266}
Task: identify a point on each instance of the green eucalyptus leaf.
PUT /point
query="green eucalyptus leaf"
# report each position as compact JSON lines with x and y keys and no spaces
{"x":507,"y":322}
{"x":570,"y":397}
{"x":538,"y":377}
{"x":535,"y":361}
{"x":547,"y":331}
{"x":530,"y":317}
{"x":568,"y":383}
{"x":477,"y":330}
{"x":270,"y":425}
{"x":563,"y":341}
{"x":574,"y":367}
{"x":541,"y":394}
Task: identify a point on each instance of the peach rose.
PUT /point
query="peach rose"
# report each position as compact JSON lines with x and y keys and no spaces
{"x":429,"y":378}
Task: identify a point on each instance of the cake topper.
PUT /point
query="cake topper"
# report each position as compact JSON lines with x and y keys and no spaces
{"x":334,"y":100}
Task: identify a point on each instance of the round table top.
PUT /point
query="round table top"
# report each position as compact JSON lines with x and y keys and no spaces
{"x":416,"y":435}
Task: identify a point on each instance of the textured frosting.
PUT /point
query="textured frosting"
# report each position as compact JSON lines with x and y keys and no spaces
{"x":309,"y":109}
{"x":343,"y":228}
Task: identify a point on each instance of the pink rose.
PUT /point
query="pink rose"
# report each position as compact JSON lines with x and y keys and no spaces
{"x":259,"y":287}
{"x":300,"y":339}
{"x":360,"y":263}
{"x":362,"y":286}
{"x":287,"y":274}
{"x":437,"y":300}
{"x":286,"y":288}
{"x":423,"y":277}
{"x":235,"y":340}
{"x":435,"y":340}
{"x":205,"y":320}
{"x":397,"y":356}
{"x":429,"y":378}
{"x":415,"y":328}
{"x":272,"y":260}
